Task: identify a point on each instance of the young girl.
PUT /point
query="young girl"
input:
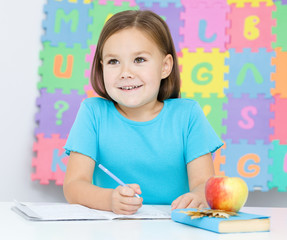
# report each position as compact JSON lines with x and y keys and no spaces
{"x":140,"y":130}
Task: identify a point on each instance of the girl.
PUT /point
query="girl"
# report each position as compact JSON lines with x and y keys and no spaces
{"x":140,"y":130}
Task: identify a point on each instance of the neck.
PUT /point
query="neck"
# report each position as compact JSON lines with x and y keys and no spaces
{"x":141,"y":114}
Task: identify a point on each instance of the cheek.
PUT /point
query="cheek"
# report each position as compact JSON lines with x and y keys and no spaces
{"x":108,"y":77}
{"x":107,"y":83}
{"x":153,"y":75}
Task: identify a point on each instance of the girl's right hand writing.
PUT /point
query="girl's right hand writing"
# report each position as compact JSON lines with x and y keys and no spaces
{"x":124,"y":200}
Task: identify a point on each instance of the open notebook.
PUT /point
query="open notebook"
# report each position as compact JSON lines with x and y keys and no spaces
{"x":65,"y":211}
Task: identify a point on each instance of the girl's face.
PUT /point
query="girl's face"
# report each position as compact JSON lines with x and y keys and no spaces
{"x":133,"y":68}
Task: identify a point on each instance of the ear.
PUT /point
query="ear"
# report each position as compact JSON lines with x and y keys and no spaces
{"x":167,"y":66}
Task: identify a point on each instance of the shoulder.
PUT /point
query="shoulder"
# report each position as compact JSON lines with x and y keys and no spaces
{"x":96,"y":107}
{"x":187,"y":110}
{"x":95,"y":103}
{"x":181,"y":104}
{"x":96,"y":100}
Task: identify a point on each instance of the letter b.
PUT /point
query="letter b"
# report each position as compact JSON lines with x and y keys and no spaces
{"x":251,"y":32}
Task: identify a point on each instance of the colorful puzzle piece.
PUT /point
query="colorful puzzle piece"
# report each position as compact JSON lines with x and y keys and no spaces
{"x":249,"y":72}
{"x":248,"y":118}
{"x":248,"y":161}
{"x":67,"y":23}
{"x":254,"y":3}
{"x":212,"y":108}
{"x":251,"y":27}
{"x":204,"y":27}
{"x":101,"y":13}
{"x":89,"y":58}
{"x":203,"y":72}
{"x":63,"y":68}
{"x":279,"y":167}
{"x":51,"y":160}
{"x":280,"y":120}
{"x":280,"y":76}
{"x":280,"y":15}
{"x":171,"y":14}
{"x":57,"y":112}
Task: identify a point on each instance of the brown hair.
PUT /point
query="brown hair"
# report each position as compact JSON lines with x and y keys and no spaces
{"x":157,"y":29}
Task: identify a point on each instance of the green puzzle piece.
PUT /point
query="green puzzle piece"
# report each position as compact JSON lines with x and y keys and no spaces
{"x":212,"y":108}
{"x":101,"y":13}
{"x":280,"y":30}
{"x":279,"y":167}
{"x":57,"y":76}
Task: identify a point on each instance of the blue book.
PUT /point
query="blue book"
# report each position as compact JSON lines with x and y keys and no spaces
{"x":242,"y":222}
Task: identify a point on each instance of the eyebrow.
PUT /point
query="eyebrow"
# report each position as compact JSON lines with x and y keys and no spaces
{"x":110,"y":55}
{"x":142,"y":52}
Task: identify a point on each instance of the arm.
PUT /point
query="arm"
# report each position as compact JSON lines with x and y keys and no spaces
{"x":199,"y":171}
{"x":78,"y":188}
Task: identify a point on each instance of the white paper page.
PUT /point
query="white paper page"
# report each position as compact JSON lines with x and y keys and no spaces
{"x":61,"y":211}
{"x":65,"y":211}
{"x":26,"y":210}
{"x":147,"y":212}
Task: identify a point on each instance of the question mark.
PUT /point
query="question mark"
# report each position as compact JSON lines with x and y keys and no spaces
{"x":61,"y":106}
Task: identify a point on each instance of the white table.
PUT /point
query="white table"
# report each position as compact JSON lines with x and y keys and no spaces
{"x":13,"y":226}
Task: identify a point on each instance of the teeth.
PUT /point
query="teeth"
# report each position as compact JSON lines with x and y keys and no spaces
{"x":129,"y":87}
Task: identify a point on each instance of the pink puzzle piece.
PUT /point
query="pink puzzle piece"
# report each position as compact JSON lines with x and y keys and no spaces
{"x":89,"y":58}
{"x":51,"y":160}
{"x":280,"y":120}
{"x":251,"y":27}
{"x":204,"y":27}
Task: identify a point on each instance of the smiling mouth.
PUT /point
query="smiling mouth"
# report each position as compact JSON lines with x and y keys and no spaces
{"x":130,"y":87}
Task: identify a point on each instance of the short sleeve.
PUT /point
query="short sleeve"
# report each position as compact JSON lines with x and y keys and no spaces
{"x":201,"y":138}
{"x":83,"y":135}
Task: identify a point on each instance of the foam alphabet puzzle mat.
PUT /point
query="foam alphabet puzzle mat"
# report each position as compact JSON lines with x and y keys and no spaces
{"x":232,"y":56}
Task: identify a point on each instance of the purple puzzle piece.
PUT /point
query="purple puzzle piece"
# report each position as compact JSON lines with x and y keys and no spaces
{"x":57,"y":112}
{"x":248,"y":118}
{"x":172,"y":17}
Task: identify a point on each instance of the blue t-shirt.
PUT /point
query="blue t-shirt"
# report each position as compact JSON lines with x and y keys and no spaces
{"x":152,"y":154}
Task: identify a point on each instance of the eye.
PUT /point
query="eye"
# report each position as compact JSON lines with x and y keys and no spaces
{"x":113,"y":61}
{"x":139,"y":60}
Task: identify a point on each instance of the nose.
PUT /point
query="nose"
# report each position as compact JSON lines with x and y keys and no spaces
{"x":126,"y":72}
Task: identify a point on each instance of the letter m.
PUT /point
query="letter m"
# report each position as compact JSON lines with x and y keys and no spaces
{"x":72,"y":17}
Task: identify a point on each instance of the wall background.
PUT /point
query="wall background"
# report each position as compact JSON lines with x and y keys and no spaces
{"x":21,"y":29}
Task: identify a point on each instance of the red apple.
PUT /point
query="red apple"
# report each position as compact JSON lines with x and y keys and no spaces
{"x":226,"y":193}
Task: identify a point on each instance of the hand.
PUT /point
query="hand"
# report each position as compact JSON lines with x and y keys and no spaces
{"x":189,"y":200}
{"x":124,"y":200}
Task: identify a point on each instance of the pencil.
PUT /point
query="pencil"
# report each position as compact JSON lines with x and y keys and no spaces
{"x":119,"y":181}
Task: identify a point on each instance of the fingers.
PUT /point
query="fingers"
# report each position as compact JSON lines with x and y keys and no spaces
{"x":130,"y":191}
{"x":202,"y":205}
{"x":188,"y":200}
{"x":194,"y":204}
{"x":175,"y":203}
{"x":128,"y":209}
{"x":124,"y":200}
{"x":136,"y":188}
